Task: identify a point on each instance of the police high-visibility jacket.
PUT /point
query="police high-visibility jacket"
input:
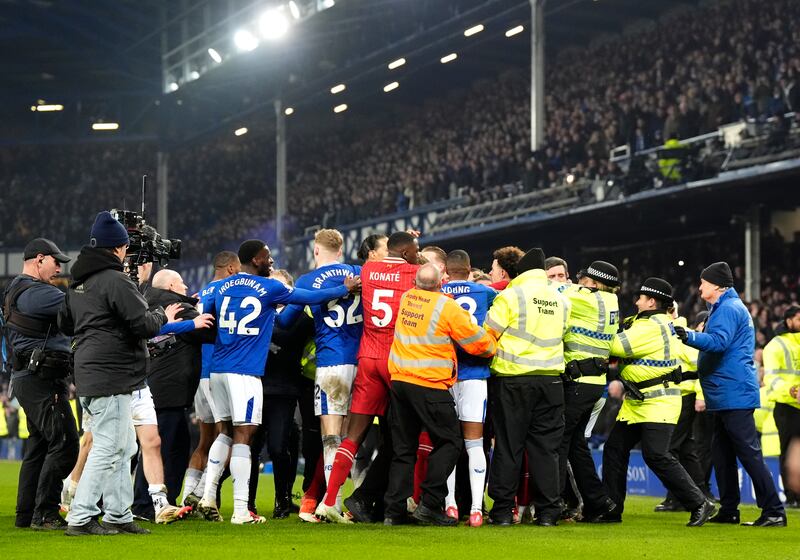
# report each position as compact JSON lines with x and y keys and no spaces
{"x":592,"y":323}
{"x":528,"y":319}
{"x":428,"y":323}
{"x":765,"y":424}
{"x":688,"y":362}
{"x":782,"y":368}
{"x":3,"y":422}
{"x":649,"y":349}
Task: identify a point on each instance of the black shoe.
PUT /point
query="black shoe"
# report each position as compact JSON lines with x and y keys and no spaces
{"x":546,"y":521}
{"x":729,"y":518}
{"x":360,"y":512}
{"x":294,"y":508}
{"x":669,"y":505}
{"x":500,"y":520}
{"x":49,"y":522}
{"x":130,"y":527}
{"x":92,"y":528}
{"x":427,"y":516}
{"x":701,"y":514}
{"x":282,"y":508}
{"x":606,"y":518}
{"x":590,"y":514}
{"x":768,"y":521}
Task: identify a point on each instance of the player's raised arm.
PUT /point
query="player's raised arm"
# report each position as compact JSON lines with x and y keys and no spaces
{"x":316,"y":297}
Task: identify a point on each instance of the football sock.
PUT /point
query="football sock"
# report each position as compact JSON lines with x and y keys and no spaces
{"x":201,"y":485}
{"x":240,"y":472}
{"x":191,"y":481}
{"x":217,"y":456}
{"x":158,"y":493}
{"x":316,"y":488}
{"x":330,"y":446}
{"x":342,"y":464}
{"x":421,"y":466}
{"x":450,"y":499}
{"x":477,"y":471}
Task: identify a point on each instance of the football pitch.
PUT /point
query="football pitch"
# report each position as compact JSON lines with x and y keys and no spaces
{"x":643,"y":534}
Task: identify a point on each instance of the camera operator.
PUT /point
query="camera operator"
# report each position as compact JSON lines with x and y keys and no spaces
{"x":173,"y":380}
{"x":40,"y":365}
{"x":109,"y":320}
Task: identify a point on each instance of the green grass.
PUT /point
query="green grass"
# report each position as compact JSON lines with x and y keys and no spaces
{"x":643,"y":534}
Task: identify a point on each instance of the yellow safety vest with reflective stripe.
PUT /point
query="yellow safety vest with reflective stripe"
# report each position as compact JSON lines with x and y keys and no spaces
{"x":73,"y":405}
{"x":688,"y":361}
{"x":593,"y":321}
{"x":647,"y":350}
{"x":781,"y":368}
{"x":3,"y":422}
{"x":308,"y":362}
{"x":22,"y":430}
{"x":670,"y":167}
{"x":765,"y":424}
{"x":528,"y":319}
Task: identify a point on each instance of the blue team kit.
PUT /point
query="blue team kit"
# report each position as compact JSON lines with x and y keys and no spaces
{"x":476,"y":299}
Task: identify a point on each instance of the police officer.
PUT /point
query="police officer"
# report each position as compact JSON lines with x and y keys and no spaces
{"x":593,"y":321}
{"x":649,"y":375}
{"x":526,"y":397}
{"x":40,"y":364}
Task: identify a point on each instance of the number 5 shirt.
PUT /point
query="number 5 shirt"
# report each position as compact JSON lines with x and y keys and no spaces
{"x":382,"y":285}
{"x":245,"y":310}
{"x":476,"y":299}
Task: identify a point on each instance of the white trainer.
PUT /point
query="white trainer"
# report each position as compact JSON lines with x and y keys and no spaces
{"x":331,"y":514}
{"x":249,"y":519}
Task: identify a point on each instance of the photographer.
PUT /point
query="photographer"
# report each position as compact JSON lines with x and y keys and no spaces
{"x":40,"y":366}
{"x":173,"y":379}
{"x":110,"y":321}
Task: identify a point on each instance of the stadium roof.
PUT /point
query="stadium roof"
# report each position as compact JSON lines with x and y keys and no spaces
{"x":101,"y":59}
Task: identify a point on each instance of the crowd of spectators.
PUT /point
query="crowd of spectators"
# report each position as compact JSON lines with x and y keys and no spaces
{"x":684,"y":75}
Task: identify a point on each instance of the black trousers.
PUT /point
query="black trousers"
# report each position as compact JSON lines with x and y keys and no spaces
{"x":528,"y":415}
{"x":276,"y":432}
{"x":310,"y":435}
{"x":683,"y":446}
{"x":414,"y":408}
{"x":735,"y":437}
{"x":173,"y":429}
{"x":51,"y":449}
{"x":787,"y":419}
{"x":579,"y":400}
{"x":703,"y":433}
{"x":655,"y":439}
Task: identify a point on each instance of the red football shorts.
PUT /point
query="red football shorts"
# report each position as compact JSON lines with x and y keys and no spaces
{"x":371,"y":387}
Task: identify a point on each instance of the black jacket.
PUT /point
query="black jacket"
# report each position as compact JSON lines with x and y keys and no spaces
{"x":109,"y":321}
{"x":175,"y":373}
{"x":283,"y":374}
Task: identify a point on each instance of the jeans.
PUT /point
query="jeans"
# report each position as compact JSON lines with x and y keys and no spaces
{"x":108,"y":469}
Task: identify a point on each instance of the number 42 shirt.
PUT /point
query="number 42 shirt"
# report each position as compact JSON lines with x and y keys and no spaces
{"x":245,"y":311}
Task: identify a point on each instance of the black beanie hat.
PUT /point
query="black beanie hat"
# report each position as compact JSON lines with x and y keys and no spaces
{"x":532,"y":260}
{"x":108,"y":232}
{"x":249,"y":249}
{"x":657,"y":288}
{"x":719,"y":274}
{"x":603,"y":272}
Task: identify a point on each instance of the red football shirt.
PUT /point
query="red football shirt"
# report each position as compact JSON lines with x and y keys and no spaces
{"x":382,"y":285}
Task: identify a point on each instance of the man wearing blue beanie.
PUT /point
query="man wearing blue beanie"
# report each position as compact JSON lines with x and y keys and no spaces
{"x":110,"y":322}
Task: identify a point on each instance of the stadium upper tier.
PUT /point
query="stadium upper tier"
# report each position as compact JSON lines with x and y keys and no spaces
{"x":685,"y":76}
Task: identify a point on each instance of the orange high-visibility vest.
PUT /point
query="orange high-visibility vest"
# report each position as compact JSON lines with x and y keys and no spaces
{"x":428,"y":323}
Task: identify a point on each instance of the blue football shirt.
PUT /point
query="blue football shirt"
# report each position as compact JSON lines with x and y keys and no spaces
{"x":476,"y":299}
{"x":205,"y":304}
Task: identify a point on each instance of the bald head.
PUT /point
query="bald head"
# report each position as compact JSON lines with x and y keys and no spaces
{"x":429,"y":278}
{"x":169,"y":280}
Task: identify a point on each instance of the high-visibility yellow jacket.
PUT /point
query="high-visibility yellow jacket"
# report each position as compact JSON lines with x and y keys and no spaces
{"x":782,"y":368}
{"x":688,"y":362}
{"x":428,"y":323}
{"x":3,"y":422}
{"x":528,"y":319}
{"x":22,"y":430}
{"x":670,"y":167}
{"x":765,"y":424}
{"x":649,"y":349}
{"x":593,"y":321}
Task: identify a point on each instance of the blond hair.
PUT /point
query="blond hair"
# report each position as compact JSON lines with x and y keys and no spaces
{"x":329,"y":239}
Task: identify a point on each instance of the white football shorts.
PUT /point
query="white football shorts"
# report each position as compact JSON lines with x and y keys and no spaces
{"x":204,"y":403}
{"x":470,"y":398}
{"x":237,"y":397}
{"x":332,"y":389}
{"x":143,"y":411}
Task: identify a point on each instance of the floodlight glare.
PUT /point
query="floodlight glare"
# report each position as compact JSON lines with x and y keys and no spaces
{"x":328,"y":4}
{"x":47,"y":108}
{"x":214,"y":54}
{"x":240,"y":131}
{"x":105,"y":126}
{"x":473,"y":30}
{"x":397,"y":63}
{"x":340,"y":108}
{"x":245,"y":41}
{"x":194,"y":74}
{"x":273,"y":25}
{"x":173,"y":86}
{"x":294,"y":9}
{"x":288,"y":111}
{"x":339,"y":88}
{"x":514,"y":31}
{"x":449,"y":58}
{"x":389,"y":87}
